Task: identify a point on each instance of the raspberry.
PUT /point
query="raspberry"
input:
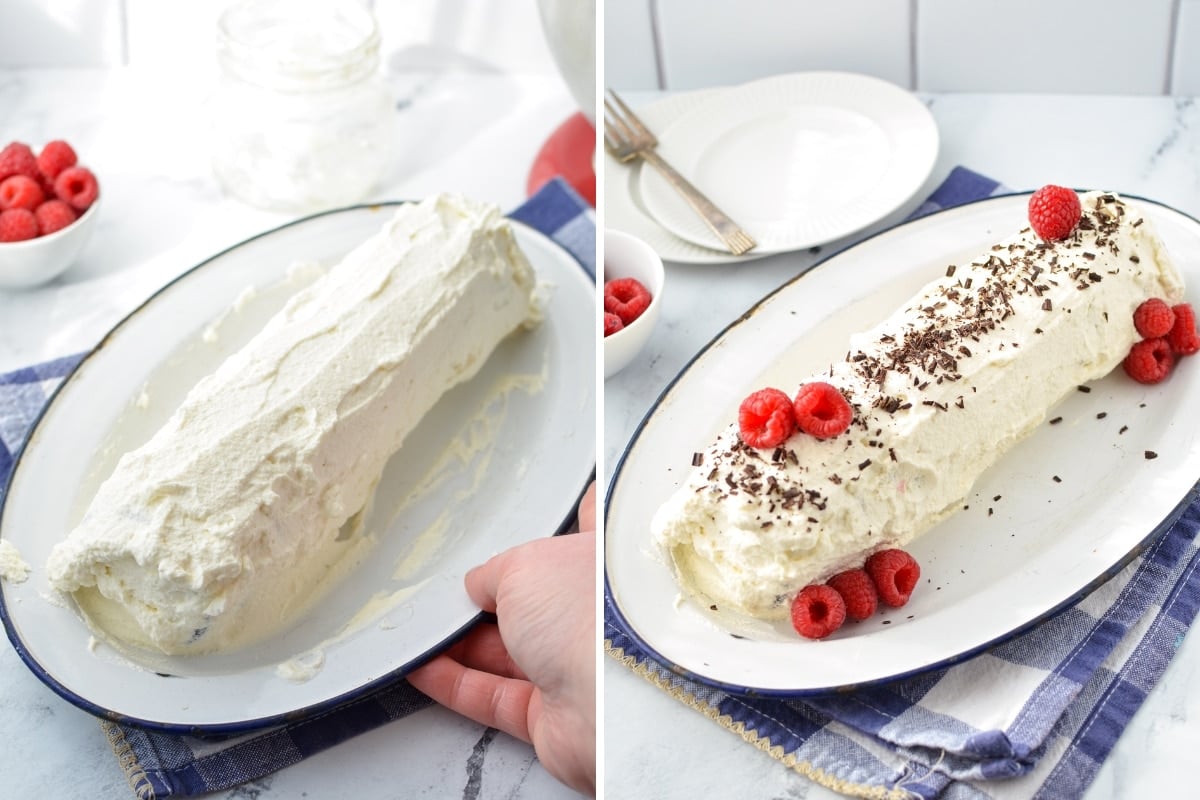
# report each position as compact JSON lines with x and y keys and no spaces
{"x":1153,"y":318}
{"x":612,"y":323}
{"x":20,"y":191}
{"x":626,"y":297}
{"x":895,"y":574}
{"x":765,"y":418}
{"x":17,"y":225}
{"x":857,"y":591}
{"x":17,"y":159}
{"x":1054,"y":211}
{"x":54,"y":215}
{"x":818,"y":611}
{"x":77,"y":187}
{"x":54,"y":158}
{"x":1183,"y":337}
{"x":821,"y":410}
{"x":1149,"y":361}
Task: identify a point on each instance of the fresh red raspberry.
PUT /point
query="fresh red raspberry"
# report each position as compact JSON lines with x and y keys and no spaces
{"x":17,"y":225}
{"x":627,"y":298}
{"x":765,"y":418}
{"x":821,"y":410}
{"x":54,"y":215}
{"x":818,"y":611}
{"x":895,"y":574}
{"x":612,"y":323}
{"x":857,"y":591}
{"x":1153,"y":318}
{"x":1183,"y":337}
{"x":17,"y":159}
{"x":55,"y":157}
{"x":77,"y":187}
{"x":1149,"y":361}
{"x":1054,"y":211}
{"x":20,"y":191}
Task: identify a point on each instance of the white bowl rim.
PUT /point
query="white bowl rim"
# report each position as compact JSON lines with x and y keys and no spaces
{"x":654,"y":296}
{"x":60,"y":233}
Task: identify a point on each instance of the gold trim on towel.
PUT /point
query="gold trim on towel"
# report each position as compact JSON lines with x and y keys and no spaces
{"x":138,"y":781}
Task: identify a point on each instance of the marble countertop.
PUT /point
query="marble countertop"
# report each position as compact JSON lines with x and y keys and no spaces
{"x":473,"y":132}
{"x":1148,"y":146}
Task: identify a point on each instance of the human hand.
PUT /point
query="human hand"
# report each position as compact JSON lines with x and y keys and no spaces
{"x":533,"y":674}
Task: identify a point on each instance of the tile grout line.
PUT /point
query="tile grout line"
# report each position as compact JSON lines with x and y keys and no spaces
{"x":656,"y":35}
{"x":913,"y":7}
{"x":1172,"y":42}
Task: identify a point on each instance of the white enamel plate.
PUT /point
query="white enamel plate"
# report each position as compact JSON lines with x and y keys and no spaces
{"x":500,"y":460}
{"x":1026,"y":546}
{"x":797,"y":160}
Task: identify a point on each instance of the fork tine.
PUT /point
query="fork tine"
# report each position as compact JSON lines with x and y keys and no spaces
{"x":611,"y":143}
{"x":630,"y":116}
{"x":613,"y":117}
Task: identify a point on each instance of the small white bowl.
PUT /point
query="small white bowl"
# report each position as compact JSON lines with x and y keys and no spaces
{"x":36,"y":261}
{"x":628,"y":257}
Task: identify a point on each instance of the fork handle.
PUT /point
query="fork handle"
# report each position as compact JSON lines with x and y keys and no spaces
{"x":717,"y":220}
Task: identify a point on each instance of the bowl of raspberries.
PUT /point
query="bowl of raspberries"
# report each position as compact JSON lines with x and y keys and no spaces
{"x":48,"y":205}
{"x":633,"y":283}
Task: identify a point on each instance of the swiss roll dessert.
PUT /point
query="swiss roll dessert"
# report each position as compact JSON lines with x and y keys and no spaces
{"x":937,"y":393}
{"x":212,"y":534}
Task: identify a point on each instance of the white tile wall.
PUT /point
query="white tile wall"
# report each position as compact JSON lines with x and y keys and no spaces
{"x":630,"y":51}
{"x":707,"y":44}
{"x":1185,"y":72}
{"x":927,"y":45}
{"x":1057,"y":46}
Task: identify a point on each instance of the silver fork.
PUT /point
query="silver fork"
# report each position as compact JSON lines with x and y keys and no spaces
{"x":627,"y":138}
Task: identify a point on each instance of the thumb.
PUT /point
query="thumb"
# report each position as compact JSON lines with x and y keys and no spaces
{"x":483,"y":582}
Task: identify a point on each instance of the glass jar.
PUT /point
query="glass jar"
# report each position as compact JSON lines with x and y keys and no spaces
{"x":302,"y":120}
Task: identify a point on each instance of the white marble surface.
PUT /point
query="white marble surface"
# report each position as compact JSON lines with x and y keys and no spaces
{"x":655,"y":746}
{"x":143,"y":134}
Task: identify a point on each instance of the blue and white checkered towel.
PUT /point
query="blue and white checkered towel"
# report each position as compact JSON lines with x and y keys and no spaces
{"x":165,"y":765}
{"x":1042,"y":710}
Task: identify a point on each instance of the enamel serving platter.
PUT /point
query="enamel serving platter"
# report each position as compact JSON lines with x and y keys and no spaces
{"x":1051,"y":521}
{"x":501,"y":459}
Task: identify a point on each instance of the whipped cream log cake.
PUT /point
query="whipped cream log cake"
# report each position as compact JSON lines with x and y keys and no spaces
{"x":216,"y":530}
{"x":938,"y":392}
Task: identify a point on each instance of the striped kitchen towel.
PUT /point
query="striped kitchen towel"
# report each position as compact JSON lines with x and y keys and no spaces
{"x":1041,"y":711}
{"x":161,"y":764}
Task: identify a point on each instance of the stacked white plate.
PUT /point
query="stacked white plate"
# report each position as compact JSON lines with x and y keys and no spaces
{"x":797,"y":160}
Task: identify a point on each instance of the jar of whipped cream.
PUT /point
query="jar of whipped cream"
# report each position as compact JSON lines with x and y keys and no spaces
{"x":302,"y":119}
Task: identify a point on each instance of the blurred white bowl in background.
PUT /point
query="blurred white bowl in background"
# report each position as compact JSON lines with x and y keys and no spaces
{"x":570,"y":27}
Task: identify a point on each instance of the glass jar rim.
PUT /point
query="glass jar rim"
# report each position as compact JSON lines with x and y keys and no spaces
{"x":298,"y":46}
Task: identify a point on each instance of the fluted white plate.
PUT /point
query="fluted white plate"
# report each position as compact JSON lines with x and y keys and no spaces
{"x":1026,"y":547}
{"x":797,"y":160}
{"x":624,"y":208}
{"x":518,"y":445}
